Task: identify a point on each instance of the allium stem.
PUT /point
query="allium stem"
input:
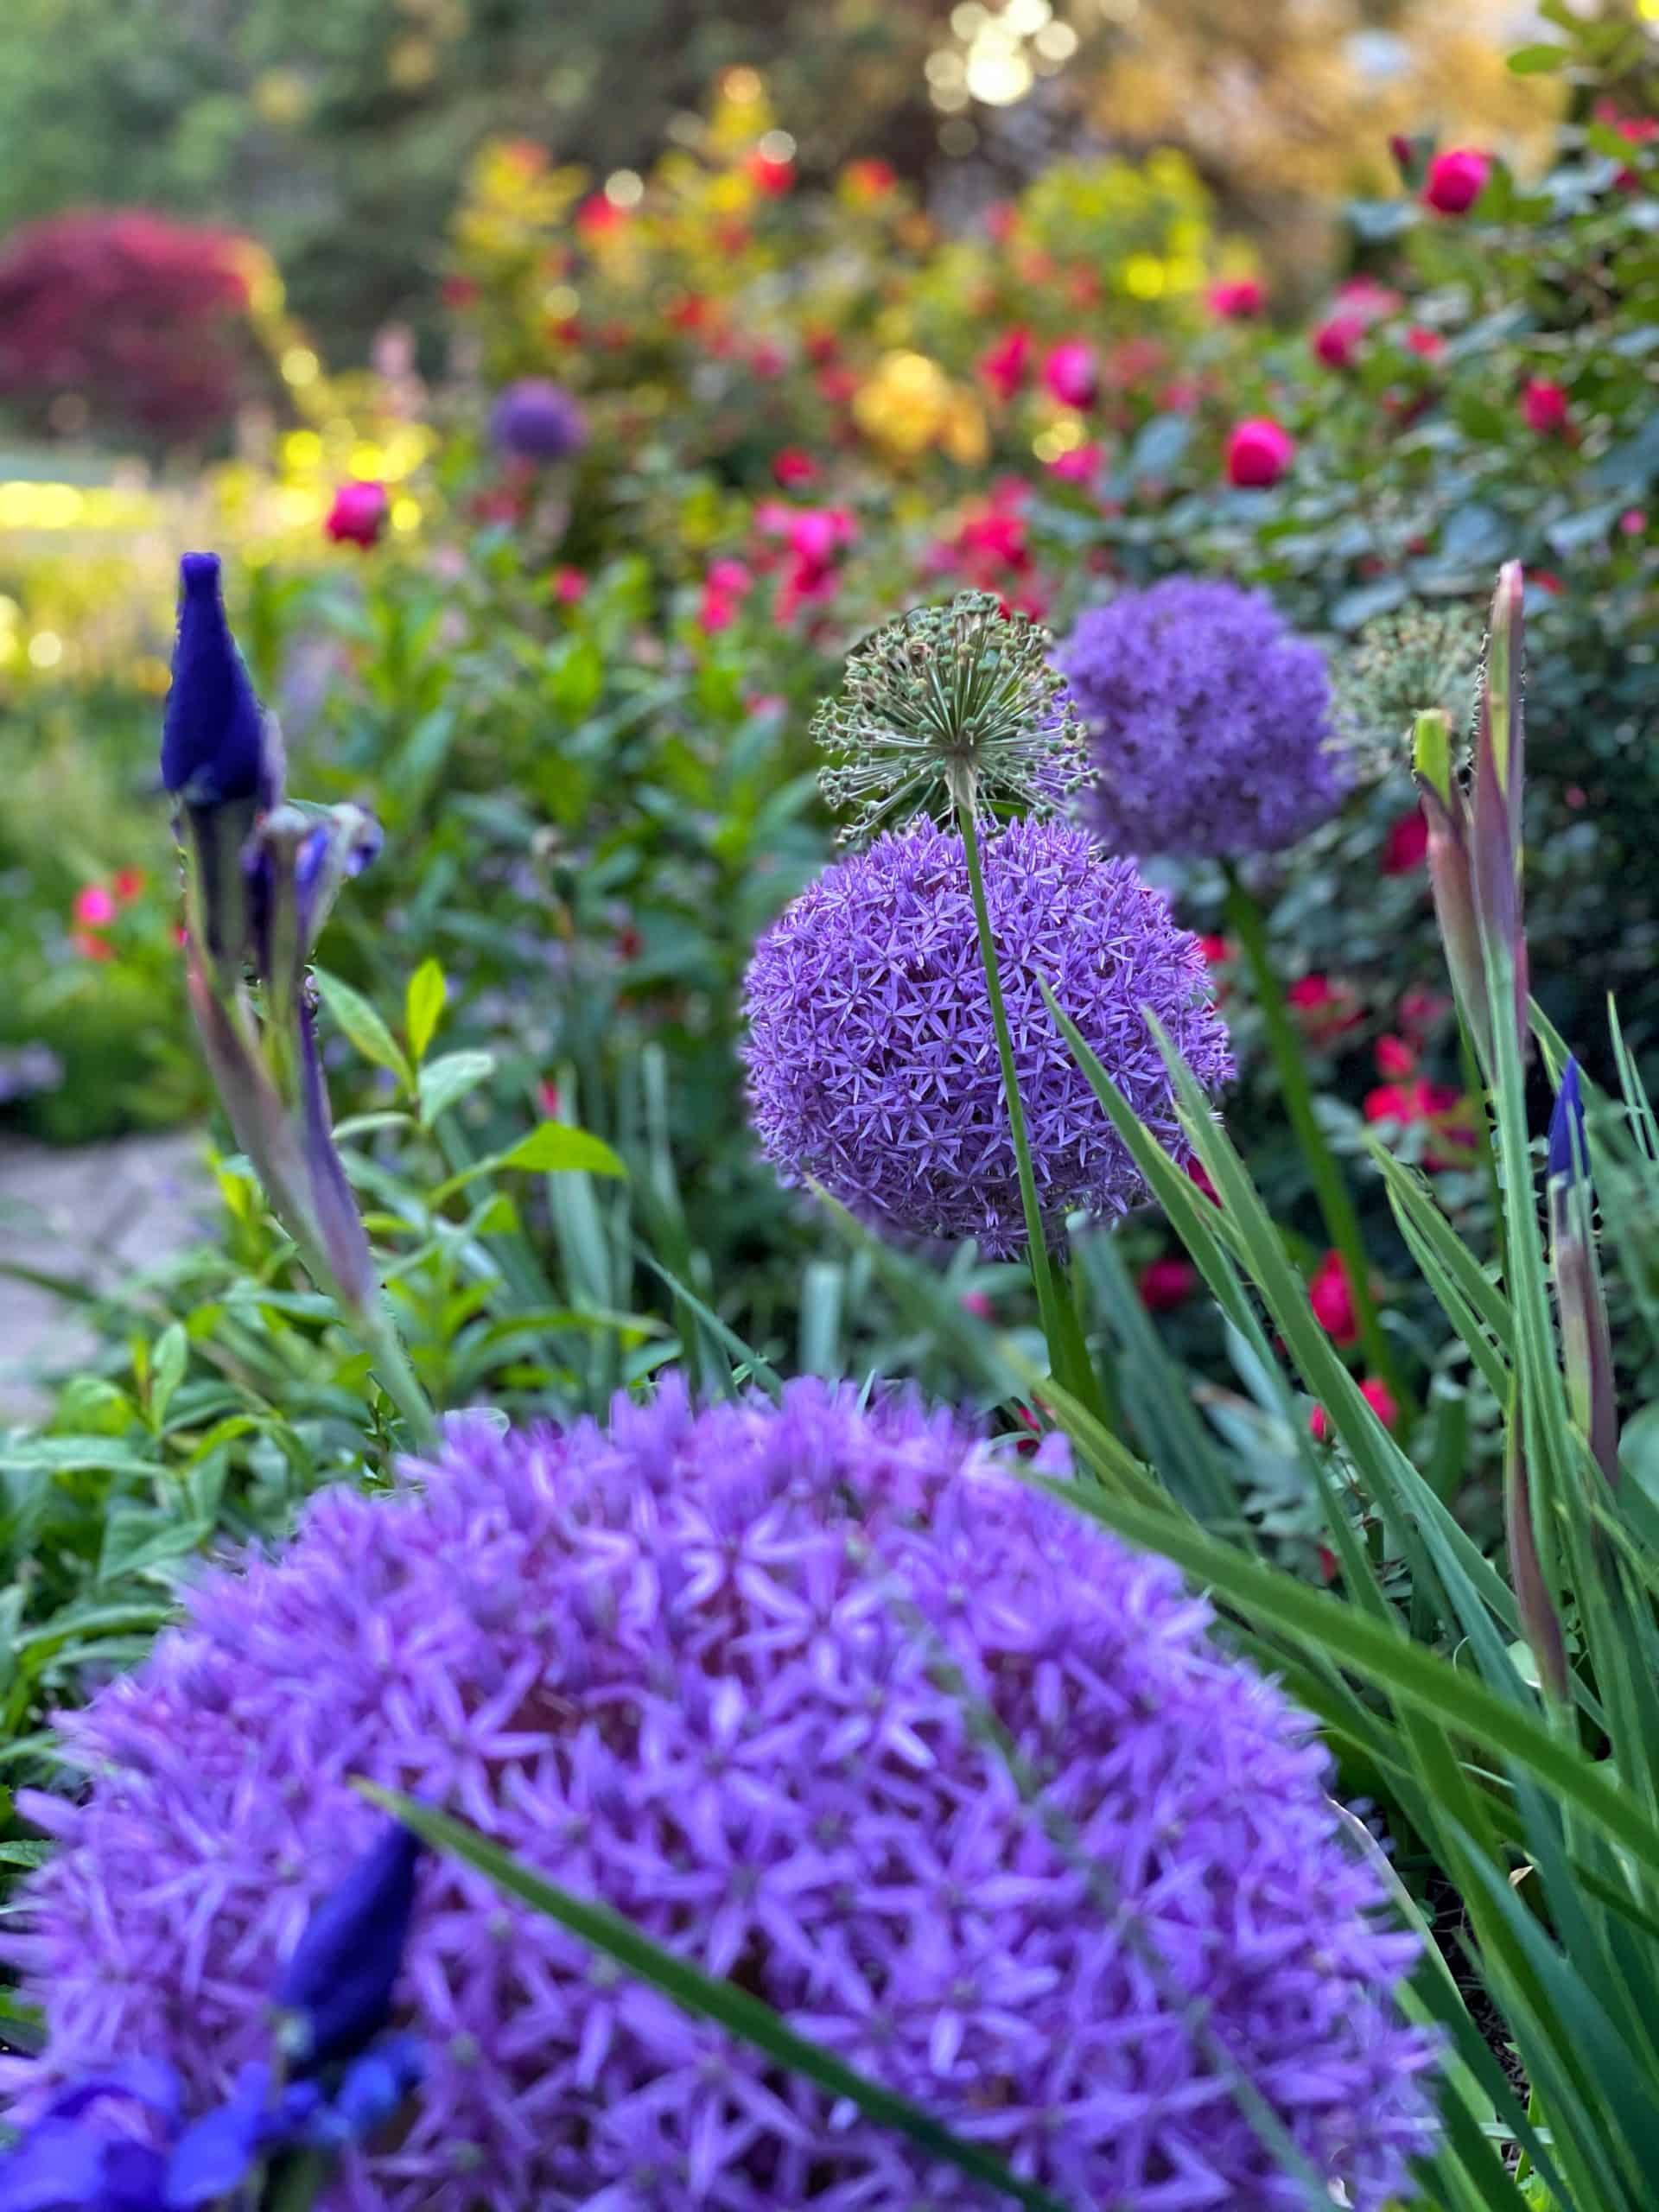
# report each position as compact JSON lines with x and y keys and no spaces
{"x":1335,"y":1206}
{"x":1042,"y":1273}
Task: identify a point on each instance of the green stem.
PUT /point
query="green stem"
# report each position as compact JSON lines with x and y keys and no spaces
{"x":395,"y":1375}
{"x":1336,"y":1205}
{"x":1042,"y":1274}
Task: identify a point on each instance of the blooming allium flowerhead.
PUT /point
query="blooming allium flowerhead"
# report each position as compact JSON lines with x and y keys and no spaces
{"x":1209,"y":721}
{"x":955,"y":705}
{"x":731,"y":1673}
{"x":872,"y":1058}
{"x":536,"y":420}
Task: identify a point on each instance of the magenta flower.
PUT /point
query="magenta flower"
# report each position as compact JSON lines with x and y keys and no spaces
{"x":710,"y":1668}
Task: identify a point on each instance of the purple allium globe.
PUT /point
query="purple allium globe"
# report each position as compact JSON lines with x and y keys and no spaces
{"x":872,"y":1059}
{"x":536,"y":420}
{"x":1210,"y":721}
{"x":729,"y":1672}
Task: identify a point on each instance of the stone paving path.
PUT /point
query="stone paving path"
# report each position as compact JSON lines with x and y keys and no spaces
{"x":96,"y":1213}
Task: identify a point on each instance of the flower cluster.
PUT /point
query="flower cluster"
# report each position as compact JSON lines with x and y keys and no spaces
{"x":1210,"y":721}
{"x":954,"y":705}
{"x":873,"y":1066}
{"x":1399,"y":663}
{"x":731,"y":1673}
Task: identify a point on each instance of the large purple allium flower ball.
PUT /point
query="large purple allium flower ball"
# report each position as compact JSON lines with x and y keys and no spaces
{"x":1210,"y":721}
{"x":536,"y":420}
{"x":731,"y":1673}
{"x":873,"y":1063}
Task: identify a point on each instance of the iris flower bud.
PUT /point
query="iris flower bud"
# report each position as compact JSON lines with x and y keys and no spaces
{"x":1580,"y":1301}
{"x":1474,"y":828}
{"x":339,"y":1983}
{"x":221,"y":759}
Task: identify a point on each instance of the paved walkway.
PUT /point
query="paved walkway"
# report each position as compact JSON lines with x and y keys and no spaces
{"x":95,"y":1214}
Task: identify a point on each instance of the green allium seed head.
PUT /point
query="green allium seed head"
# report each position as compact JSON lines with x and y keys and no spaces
{"x":1418,"y":657}
{"x":951,"y":706}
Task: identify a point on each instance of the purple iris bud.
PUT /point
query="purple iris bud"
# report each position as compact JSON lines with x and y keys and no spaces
{"x":536,"y":420}
{"x":1569,"y":1150}
{"x":215,"y":742}
{"x":340,"y":1979}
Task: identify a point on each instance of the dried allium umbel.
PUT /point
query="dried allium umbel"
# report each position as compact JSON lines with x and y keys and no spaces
{"x":949,"y":707}
{"x":872,"y":1057}
{"x":731,"y":1673}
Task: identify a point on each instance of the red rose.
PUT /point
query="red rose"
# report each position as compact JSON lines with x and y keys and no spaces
{"x":358,"y":514}
{"x":1396,"y":1057}
{"x":1072,"y":374}
{"x":1405,"y":847}
{"x":1456,"y":179}
{"x":1165,"y":1284}
{"x":793,"y":466}
{"x":1336,"y":342}
{"x":1007,"y":364}
{"x":1332,"y":1297}
{"x":1236,"y":300}
{"x":1259,"y":451}
{"x":1543,"y":403}
{"x":774,"y":176}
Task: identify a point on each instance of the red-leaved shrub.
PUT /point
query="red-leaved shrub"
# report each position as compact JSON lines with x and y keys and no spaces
{"x":142,"y":319}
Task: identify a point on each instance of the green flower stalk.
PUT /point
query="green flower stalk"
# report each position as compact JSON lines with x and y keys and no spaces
{"x":957,"y":708}
{"x":261,"y":874}
{"x":1541,"y":1623}
{"x":1580,"y":1301}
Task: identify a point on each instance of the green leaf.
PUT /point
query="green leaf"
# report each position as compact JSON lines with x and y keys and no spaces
{"x":424,"y":1007}
{"x":1537,"y":61}
{"x":705,"y":1997}
{"x":364,"y":1026}
{"x":449,"y":1078}
{"x":557,"y":1148}
{"x":166,"y":1366}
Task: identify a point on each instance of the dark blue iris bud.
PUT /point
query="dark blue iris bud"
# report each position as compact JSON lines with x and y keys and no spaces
{"x":339,"y":1980}
{"x":214,"y":746}
{"x":1569,"y":1151}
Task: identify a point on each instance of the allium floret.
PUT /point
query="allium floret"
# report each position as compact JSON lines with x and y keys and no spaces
{"x":951,"y":706}
{"x":872,"y":1058}
{"x":732,"y":1672}
{"x":1209,"y":720}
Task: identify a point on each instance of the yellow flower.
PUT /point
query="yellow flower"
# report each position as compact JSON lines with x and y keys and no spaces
{"x":908,"y":404}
